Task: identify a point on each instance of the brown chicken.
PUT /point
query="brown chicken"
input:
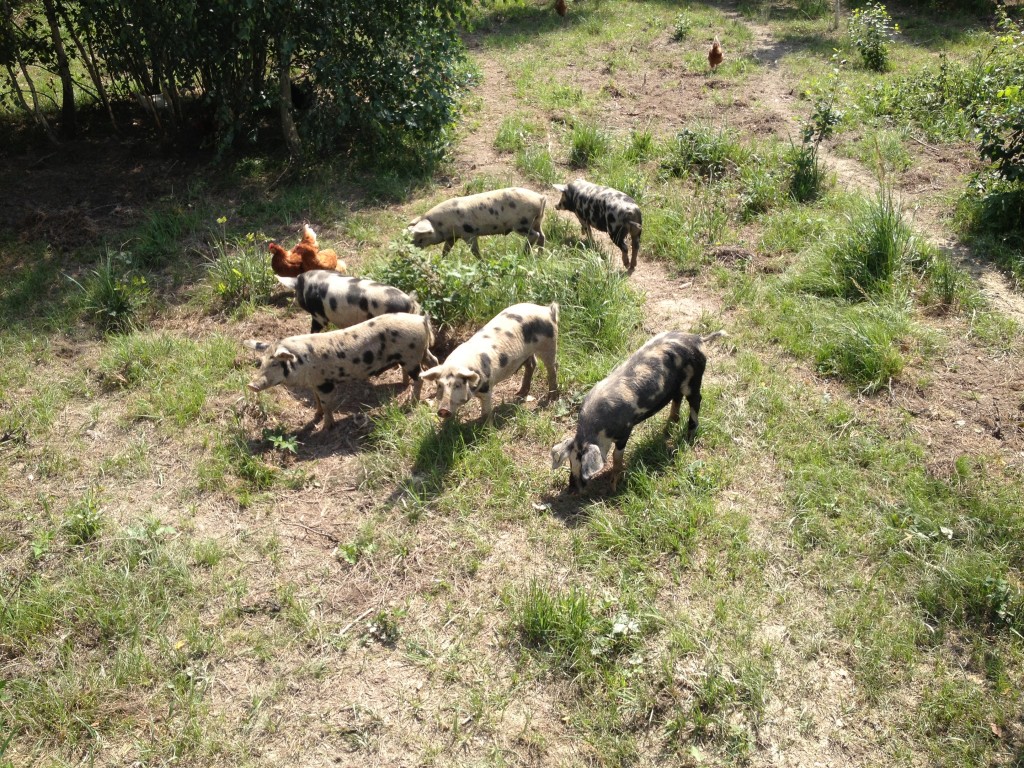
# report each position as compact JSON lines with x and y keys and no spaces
{"x":561,"y":8}
{"x":303,"y":257}
{"x":715,"y":55}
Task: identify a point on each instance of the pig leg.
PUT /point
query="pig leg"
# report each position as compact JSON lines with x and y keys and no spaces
{"x":547,"y":356}
{"x":417,"y":384}
{"x":528,"y":367}
{"x":618,"y":466}
{"x":486,"y":406}
{"x":673,"y":415}
{"x":694,"y":400}
{"x":474,"y":246}
{"x":619,"y":238}
{"x":448,"y":245}
{"x":534,"y":238}
{"x":634,"y":237}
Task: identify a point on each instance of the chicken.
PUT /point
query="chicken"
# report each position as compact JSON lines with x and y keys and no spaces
{"x":303,"y":257}
{"x":561,"y":7}
{"x":715,"y":55}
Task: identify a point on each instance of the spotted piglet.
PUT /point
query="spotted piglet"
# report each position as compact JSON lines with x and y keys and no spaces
{"x":343,"y":301}
{"x":512,"y":340}
{"x":498,"y":212}
{"x":666,"y":369}
{"x":606,"y":210}
{"x":325,"y":362}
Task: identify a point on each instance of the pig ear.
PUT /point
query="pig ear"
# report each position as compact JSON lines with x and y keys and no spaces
{"x":259,"y":346}
{"x":560,"y":453}
{"x":592,"y":461}
{"x":284,"y":354}
{"x":421,"y":227}
{"x":433,"y":374}
{"x":471,"y":376}
{"x":560,"y":187}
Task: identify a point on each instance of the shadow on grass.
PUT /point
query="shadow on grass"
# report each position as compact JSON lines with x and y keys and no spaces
{"x":650,"y":457}
{"x":442,"y":450}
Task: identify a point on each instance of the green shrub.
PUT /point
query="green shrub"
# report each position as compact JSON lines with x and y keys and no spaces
{"x":640,"y":146}
{"x":239,"y":272}
{"x":681,"y":27}
{"x":588,"y":142}
{"x":806,"y":173}
{"x":83,"y":520}
{"x":115,"y":296}
{"x":865,"y":258}
{"x":1000,"y":111}
{"x":862,"y":350}
{"x":536,"y":163}
{"x":570,"y":628}
{"x":871,"y":28}
{"x":708,"y":152}
{"x":513,"y":134}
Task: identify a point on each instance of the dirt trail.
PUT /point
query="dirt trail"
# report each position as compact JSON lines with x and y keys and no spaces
{"x":928,"y":214}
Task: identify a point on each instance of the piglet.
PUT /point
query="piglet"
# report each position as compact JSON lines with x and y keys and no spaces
{"x":666,"y":369}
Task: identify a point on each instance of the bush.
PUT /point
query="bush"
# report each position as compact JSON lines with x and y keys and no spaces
{"x":681,"y":27}
{"x":1000,"y":113}
{"x":710,"y":153}
{"x":871,"y":28}
{"x":115,"y":296}
{"x":806,"y":174}
{"x":225,"y":60}
{"x":589,"y":142}
{"x":239,"y":272}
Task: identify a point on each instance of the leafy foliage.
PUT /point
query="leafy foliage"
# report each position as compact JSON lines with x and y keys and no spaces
{"x":115,"y":295}
{"x":239,"y":272}
{"x":871,"y":28}
{"x":1000,"y":114}
{"x":386,"y":74}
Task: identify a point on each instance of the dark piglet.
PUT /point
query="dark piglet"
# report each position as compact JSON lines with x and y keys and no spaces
{"x":606,"y":210}
{"x":666,"y":369}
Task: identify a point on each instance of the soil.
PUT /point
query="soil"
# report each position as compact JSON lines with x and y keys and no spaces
{"x":372,"y":704}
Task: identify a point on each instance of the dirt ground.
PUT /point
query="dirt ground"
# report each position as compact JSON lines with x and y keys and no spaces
{"x":373,"y":706}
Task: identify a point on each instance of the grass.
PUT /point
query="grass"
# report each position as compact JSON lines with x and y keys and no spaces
{"x":188,"y":576}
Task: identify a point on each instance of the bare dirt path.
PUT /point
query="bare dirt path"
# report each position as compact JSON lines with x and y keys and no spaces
{"x":919,"y":190}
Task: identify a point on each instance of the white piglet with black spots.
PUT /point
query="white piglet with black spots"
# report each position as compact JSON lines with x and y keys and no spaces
{"x":325,"y":362}
{"x":514,"y":339}
{"x":666,"y":369}
{"x":343,"y":301}
{"x":498,"y":212}
{"x":606,"y":210}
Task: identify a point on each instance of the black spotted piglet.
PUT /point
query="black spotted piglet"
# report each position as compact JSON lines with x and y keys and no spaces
{"x":607,"y":210}
{"x":514,"y":339}
{"x":666,"y":369}
{"x":327,"y":363}
{"x":342,"y":301}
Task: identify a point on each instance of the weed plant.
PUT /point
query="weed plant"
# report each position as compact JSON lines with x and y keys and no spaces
{"x":588,"y":143}
{"x":681,"y":27}
{"x":807,"y":175}
{"x":710,"y":153}
{"x":514,"y":133}
{"x":868,"y":257}
{"x":571,"y":629}
{"x":239,"y":273}
{"x":535,"y":162}
{"x":599,"y":309}
{"x":115,"y":295}
{"x":871,"y":29}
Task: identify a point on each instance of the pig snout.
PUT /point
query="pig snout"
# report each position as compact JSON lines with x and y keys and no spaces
{"x":443,"y":412}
